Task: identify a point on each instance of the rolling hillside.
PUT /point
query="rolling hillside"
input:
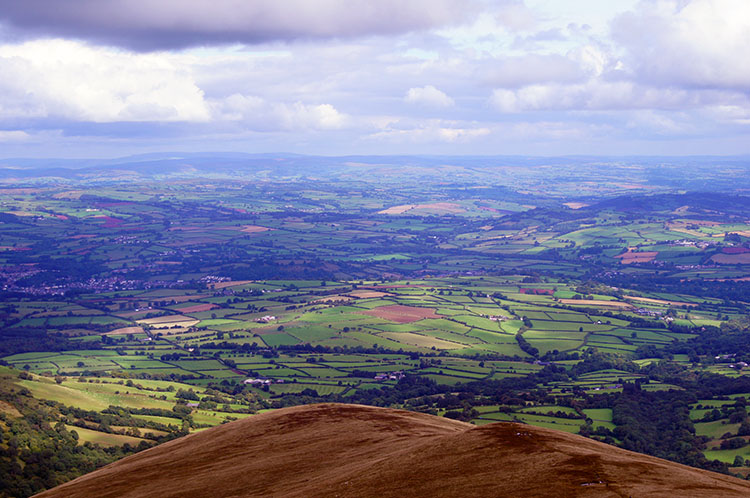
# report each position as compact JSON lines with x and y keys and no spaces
{"x":352,"y":450}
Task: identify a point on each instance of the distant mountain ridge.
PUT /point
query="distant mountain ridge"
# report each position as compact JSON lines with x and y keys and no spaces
{"x":584,"y":178}
{"x":328,"y":450}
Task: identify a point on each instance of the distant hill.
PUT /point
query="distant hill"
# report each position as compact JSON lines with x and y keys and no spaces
{"x":696,"y":173}
{"x":330,"y":450}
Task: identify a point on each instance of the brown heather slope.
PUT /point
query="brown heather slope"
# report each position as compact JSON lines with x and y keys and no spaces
{"x":329,"y":450}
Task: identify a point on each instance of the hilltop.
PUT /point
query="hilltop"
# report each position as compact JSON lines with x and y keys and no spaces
{"x":353,"y":450}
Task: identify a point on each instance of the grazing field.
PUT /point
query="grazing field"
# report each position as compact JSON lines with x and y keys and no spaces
{"x":103,"y":438}
{"x":474,"y":293}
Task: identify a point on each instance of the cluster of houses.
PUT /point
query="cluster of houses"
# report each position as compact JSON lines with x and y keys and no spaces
{"x":213,"y":279}
{"x":648,"y":312}
{"x":739,"y":365}
{"x":262,"y":382}
{"x":390,"y":376}
{"x":702,"y":244}
{"x":128,"y":240}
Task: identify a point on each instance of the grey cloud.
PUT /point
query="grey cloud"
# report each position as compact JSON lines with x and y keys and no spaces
{"x":146,"y":25}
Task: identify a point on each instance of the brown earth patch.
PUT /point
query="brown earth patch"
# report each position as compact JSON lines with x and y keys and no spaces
{"x":231,"y":283}
{"x":197,"y":308}
{"x":9,"y":409}
{"x":576,"y":205}
{"x":630,"y":257}
{"x":363,"y":294}
{"x":735,"y":250}
{"x":173,"y":325}
{"x":397,"y":209}
{"x":255,"y":229}
{"x":597,"y":302}
{"x":702,"y":223}
{"x":167,"y":319}
{"x":731,"y":259}
{"x":658,"y":301}
{"x":109,"y":221}
{"x":125,"y":330}
{"x":401,"y":314}
{"x":445,"y":207}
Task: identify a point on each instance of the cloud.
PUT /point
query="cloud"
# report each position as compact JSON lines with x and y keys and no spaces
{"x":733,"y":114}
{"x":428,"y":96}
{"x":259,"y":114}
{"x":695,"y":43}
{"x":13,"y":136}
{"x":513,"y":72}
{"x":430,"y":131}
{"x":618,"y":95}
{"x":146,"y":25}
{"x":515,"y":15}
{"x":64,"y":79}
{"x":649,"y":123}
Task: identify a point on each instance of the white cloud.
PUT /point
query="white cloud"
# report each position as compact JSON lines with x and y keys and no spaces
{"x":69,"y":80}
{"x":428,"y":96}
{"x":514,"y":72}
{"x":649,"y":122}
{"x":729,"y":113}
{"x":697,"y":43}
{"x":14,"y":136}
{"x":430,"y":131}
{"x":259,"y":114}
{"x":505,"y":100}
{"x":516,"y":16}
{"x":599,"y":94}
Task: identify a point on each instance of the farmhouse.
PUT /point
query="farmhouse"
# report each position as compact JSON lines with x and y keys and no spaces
{"x":391,"y":376}
{"x":256,"y":382}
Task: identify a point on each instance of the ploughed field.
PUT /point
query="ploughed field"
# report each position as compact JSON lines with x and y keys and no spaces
{"x":354,"y":450}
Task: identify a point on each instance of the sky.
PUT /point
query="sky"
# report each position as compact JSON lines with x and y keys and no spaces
{"x":106,"y":78}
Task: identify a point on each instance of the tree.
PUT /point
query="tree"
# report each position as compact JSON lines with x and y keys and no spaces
{"x":186,"y":394}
